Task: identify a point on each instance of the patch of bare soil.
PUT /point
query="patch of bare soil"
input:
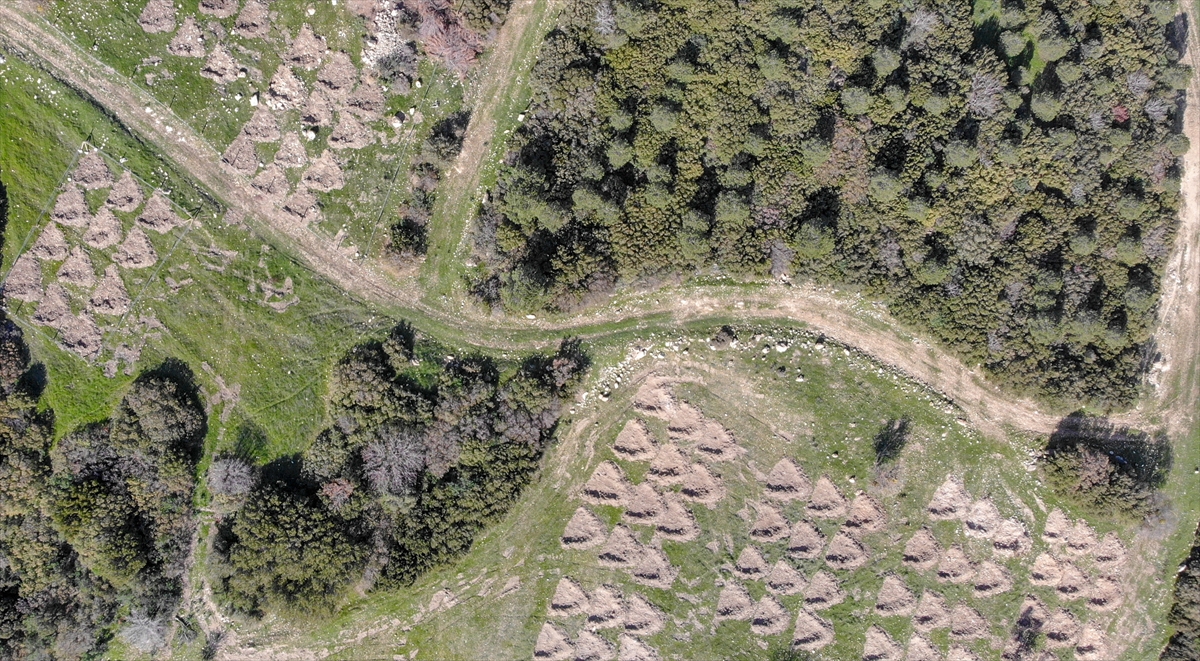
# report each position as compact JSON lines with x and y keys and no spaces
{"x":240,"y":156}
{"x":569,"y":599}
{"x":632,"y":649}
{"x":954,"y":566}
{"x":306,"y":49}
{"x":865,"y":515}
{"x":220,"y":67}
{"x":823,"y":591}
{"x":983,"y":519}
{"x":262,"y":126}
{"x":552,"y":644}
{"x":751,"y":565}
{"x":70,"y":209}
{"x":189,"y":41}
{"x":254,"y":21}
{"x":895,"y":597}
{"x":641,"y":618}
{"x":1081,"y":540}
{"x":1045,"y":570}
{"x":91,"y":171}
{"x":338,"y":75}
{"x":654,"y":398}
{"x":325,"y":174}
{"x":219,"y":8}
{"x":645,"y":505}
{"x":1011,"y":539}
{"x":1109,"y":554}
{"x":787,"y":482}
{"x":158,"y":214}
{"x":922,"y":551}
{"x":966,"y":623}
{"x":607,"y":486}
{"x":879,"y":646}
{"x":77,"y":270}
{"x":769,"y":525}
{"x":158,"y":16}
{"x":286,"y":90}
{"x":634,"y":443}
{"x":606,"y":608}
{"x":291,"y":152}
{"x":136,"y":251}
{"x":104,"y":230}
{"x":950,"y":501}
{"x":701,"y":486}
{"x":126,"y":195}
{"x":1061,"y":630}
{"x":676,"y":522}
{"x":1104,"y":595}
{"x":367,"y":101}
{"x":1071,"y":583}
{"x":272,"y":182}
{"x":716,"y":443}
{"x":110,"y":297}
{"x":1092,"y":644}
{"x":991,"y":579}
{"x":734,"y":603}
{"x":768,"y":617}
{"x":621,"y":550}
{"x":24,"y":281}
{"x":806,"y":542}
{"x":80,"y":335}
{"x":350,"y":133}
{"x":845,"y":552}
{"x":1057,"y":527}
{"x":669,"y":465}
{"x":920,"y":649}
{"x":959,"y":653}
{"x":318,"y":110}
{"x":826,"y":502}
{"x":51,"y":245}
{"x":301,"y":206}
{"x":54,"y":307}
{"x":785,"y":580}
{"x":590,"y":647}
{"x":931,"y":613}
{"x":811,"y":632}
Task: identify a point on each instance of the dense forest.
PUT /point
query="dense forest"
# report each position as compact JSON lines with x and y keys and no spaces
{"x":425,"y":449}
{"x":1004,"y":175}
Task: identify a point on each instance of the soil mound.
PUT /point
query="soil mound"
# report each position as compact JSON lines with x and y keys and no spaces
{"x":954,"y":566}
{"x":24,"y":281}
{"x":91,"y":171}
{"x":1061,"y":630}
{"x":787,"y":482}
{"x":219,"y":8}
{"x":136,"y":251}
{"x":806,"y":541}
{"x":240,"y":156}
{"x":605,"y":608}
{"x":1032,"y":615}
{"x":716,"y":443}
{"x":931,"y":613}
{"x":157,"y":16}
{"x":338,"y":75}
{"x":189,"y":41}
{"x":350,"y":133}
{"x":569,"y":599}
{"x":271,"y":182}
{"x":922,"y":551}
{"x":966,"y":623}
{"x":701,"y":486}
{"x":607,"y":486}
{"x":865,"y":515}
{"x":291,"y":152}
{"x":826,"y":501}
{"x":552,"y":644}
{"x":81,"y":335}
{"x":653,"y":569}
{"x":367,"y":101}
{"x":633,"y":649}
{"x":1071,"y":582}
{"x":1104,"y":595}
{"x":325,"y":174}
{"x":125,"y":195}
{"x":54,"y":308}
{"x":220,"y":67}
{"x":785,"y":580}
{"x":1091,"y":645}
{"x":51,"y":245}
{"x":70,"y":209}
{"x":751,"y":565}
{"x":286,"y":90}
{"x":669,"y":465}
{"x":734,"y":603}
{"x":845,"y":552}
{"x":895,"y":598}
{"x":104,"y":230}
{"x":590,"y":647}
{"x":645,"y":505}
{"x":950,"y":501}
{"x":991,"y":579}
{"x":1110,"y":553}
{"x":1045,"y":570}
{"x":306,"y":49}
{"x":769,"y":617}
{"x":1057,"y":527}
{"x":1081,"y":540}
{"x":641,"y":617}
{"x":78,"y":270}
{"x":823,"y":591}
{"x":879,"y":646}
{"x":654,"y":398}
{"x":958,"y":653}
{"x":676,"y":522}
{"x":811,"y":631}
{"x":262,"y":126}
{"x":254,"y":22}
{"x":983,"y":519}
{"x":318,"y":110}
{"x":584,"y":531}
{"x":621,"y":550}
{"x":300,"y":206}
{"x":920,"y":649}
{"x":1011,"y":539}
{"x":635,"y":443}
{"x":769,"y":526}
{"x":158,"y":215}
{"x":110,"y":297}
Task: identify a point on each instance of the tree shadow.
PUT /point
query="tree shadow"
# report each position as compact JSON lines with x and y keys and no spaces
{"x":891,"y":439}
{"x":1145,"y":458}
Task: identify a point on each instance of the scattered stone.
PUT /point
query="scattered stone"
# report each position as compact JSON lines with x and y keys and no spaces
{"x":157,"y":16}
{"x":787,"y":482}
{"x":92,"y":171}
{"x":769,"y":617}
{"x":110,"y":297}
{"x":136,"y":252}
{"x":318,"y":111}
{"x":950,"y":501}
{"x":324,"y":174}
{"x":811,"y":631}
{"x":338,"y":75}
{"x":569,"y":599}
{"x":823,"y":591}
{"x":158,"y":215}
{"x":983,"y":519}
{"x":219,"y":8}
{"x":1091,"y":645}
{"x":254,"y":22}
{"x":806,"y":541}
{"x":635,"y":443}
{"x":845,"y":552}
{"x":1011,"y":539}
{"x":272,"y":182}
{"x":78,"y":270}
{"x":931,"y":613}
{"x":51,"y":245}
{"x":954,"y":567}
{"x":552,"y":644}
{"x":590,"y":647}
{"x":621,"y":550}
{"x":1081,"y":539}
{"x":676,"y":522}
{"x":286,"y":90}
{"x":922,"y":551}
{"x":607,"y":486}
{"x":1061,"y":630}
{"x":189,"y":41}
{"x":104,"y":230}
{"x":606,"y":608}
{"x":865,"y":515}
{"x":701,"y":486}
{"x":645,"y":505}
{"x":769,"y":526}
{"x":879,"y":646}
{"x":350,"y":133}
{"x":991,"y":579}
{"x":632,"y":649}
{"x":895,"y":598}
{"x":826,"y":501}
{"x":220,"y":67}
{"x":751,"y":565}
{"x":785,"y":579}
{"x":920,"y":649}
{"x":1045,"y":570}
{"x":262,"y":126}
{"x":125,"y":195}
{"x":306,"y":49}
{"x":966,"y":623}
{"x":641,"y":617}
{"x":669,"y":466}
{"x":241,"y":156}
{"x":1057,"y":527}
{"x":24,"y":281}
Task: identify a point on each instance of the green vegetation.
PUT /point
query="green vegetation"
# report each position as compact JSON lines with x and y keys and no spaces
{"x":1008,"y":179}
{"x":1185,"y":613}
{"x":409,"y":234}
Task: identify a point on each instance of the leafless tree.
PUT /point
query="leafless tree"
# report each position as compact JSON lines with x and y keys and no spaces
{"x":394,"y":460}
